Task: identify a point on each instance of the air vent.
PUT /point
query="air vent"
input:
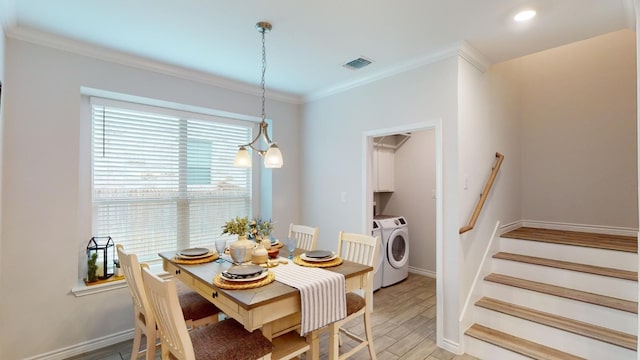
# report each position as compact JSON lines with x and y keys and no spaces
{"x":358,"y":63}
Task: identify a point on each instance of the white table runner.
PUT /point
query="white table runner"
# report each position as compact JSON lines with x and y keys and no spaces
{"x":322,"y":294}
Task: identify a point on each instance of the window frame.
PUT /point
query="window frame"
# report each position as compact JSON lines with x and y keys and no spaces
{"x":85,"y":196}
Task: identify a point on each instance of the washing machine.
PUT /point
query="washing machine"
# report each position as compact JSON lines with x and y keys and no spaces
{"x":377,"y":272}
{"x":395,"y":248}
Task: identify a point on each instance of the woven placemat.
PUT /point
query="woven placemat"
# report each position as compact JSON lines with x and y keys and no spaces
{"x":230,"y":285}
{"x":179,"y":260}
{"x":321,"y":264}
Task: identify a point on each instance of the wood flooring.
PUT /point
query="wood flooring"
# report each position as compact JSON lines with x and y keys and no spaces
{"x":404,"y":327}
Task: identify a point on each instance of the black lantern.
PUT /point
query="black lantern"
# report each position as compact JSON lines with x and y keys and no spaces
{"x":100,"y":258}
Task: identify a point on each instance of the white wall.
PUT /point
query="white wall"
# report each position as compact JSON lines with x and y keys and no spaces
{"x":333,"y":157}
{"x":40,"y":183}
{"x":415,"y":180}
{"x":488,"y":123}
{"x":579,"y":146}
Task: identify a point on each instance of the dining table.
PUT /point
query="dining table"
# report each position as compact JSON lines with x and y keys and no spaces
{"x":274,"y":309}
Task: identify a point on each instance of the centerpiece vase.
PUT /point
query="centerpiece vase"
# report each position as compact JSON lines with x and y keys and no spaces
{"x":244,"y":242}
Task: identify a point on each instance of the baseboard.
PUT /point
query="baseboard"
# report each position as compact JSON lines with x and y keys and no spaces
{"x":598,"y":229}
{"x":450,"y":346}
{"x":85,"y":347}
{"x":423,"y":272}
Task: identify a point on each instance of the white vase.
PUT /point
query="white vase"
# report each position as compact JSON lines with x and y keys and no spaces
{"x":259,"y":255}
{"x":242,"y":242}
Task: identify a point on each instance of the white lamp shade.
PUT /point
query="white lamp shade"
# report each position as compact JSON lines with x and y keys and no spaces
{"x":243,"y":158}
{"x":273,"y":157}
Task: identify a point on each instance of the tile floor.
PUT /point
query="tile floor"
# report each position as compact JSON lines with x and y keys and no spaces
{"x":404,"y":327}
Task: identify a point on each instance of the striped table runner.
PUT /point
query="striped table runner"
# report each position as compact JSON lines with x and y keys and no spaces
{"x":322,"y":294}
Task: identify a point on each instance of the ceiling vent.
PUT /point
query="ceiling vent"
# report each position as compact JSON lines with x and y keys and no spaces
{"x":358,"y":63}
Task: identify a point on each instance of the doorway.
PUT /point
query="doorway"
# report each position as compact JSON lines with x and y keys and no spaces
{"x":385,"y":201}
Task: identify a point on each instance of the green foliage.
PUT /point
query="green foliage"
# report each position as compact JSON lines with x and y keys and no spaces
{"x":92,"y":267}
{"x":237,"y":226}
{"x":260,"y":229}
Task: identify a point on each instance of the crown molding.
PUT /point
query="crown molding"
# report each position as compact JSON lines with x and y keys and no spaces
{"x":100,"y":53}
{"x":462,"y":49}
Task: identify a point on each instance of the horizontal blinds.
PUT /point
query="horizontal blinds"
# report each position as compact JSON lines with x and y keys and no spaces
{"x":162,"y":181}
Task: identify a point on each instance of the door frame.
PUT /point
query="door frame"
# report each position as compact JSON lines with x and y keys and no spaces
{"x":367,"y":198}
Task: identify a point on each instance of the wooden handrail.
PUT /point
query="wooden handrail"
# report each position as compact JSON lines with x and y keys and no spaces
{"x":484,"y":195}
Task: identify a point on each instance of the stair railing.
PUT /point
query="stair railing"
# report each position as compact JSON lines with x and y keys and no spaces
{"x":484,"y":195}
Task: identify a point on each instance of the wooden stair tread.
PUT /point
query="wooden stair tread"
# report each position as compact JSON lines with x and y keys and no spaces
{"x":591,"y":269}
{"x":577,"y":327}
{"x":602,"y":300}
{"x":518,"y":345}
{"x":576,"y":238}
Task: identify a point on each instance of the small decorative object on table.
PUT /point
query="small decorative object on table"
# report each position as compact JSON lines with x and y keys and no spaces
{"x":239,"y":226}
{"x":260,"y":232}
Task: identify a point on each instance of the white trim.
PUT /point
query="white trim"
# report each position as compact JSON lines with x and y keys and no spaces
{"x":450,"y":346}
{"x":479,"y":272}
{"x":422,"y":272}
{"x":84,"y":290}
{"x":511,"y":226}
{"x":598,"y":229}
{"x":87,"y":346}
{"x":463,"y":50}
{"x":76,"y":47}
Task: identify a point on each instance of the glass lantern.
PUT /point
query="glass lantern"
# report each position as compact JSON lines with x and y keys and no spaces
{"x":100,"y":258}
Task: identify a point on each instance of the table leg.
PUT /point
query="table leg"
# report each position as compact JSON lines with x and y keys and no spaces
{"x":313,"y":339}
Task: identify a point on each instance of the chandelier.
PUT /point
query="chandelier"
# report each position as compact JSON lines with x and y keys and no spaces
{"x":272,"y":155}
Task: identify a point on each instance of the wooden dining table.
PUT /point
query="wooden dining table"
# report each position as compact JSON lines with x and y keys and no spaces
{"x":275,"y":308}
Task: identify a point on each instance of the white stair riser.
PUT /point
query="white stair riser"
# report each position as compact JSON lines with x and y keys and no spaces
{"x":486,"y":351}
{"x":598,"y":257}
{"x":578,"y":310}
{"x":597,"y":284}
{"x":552,"y":337}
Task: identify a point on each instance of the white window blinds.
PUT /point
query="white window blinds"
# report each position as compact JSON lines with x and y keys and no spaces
{"x":164,"y":179}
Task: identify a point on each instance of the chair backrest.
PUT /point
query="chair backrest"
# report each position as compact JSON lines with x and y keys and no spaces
{"x":163,"y":297}
{"x":359,"y":248}
{"x":132,"y":274}
{"x":306,"y":236}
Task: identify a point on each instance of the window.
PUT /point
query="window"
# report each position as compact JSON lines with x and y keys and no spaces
{"x":164,"y":179}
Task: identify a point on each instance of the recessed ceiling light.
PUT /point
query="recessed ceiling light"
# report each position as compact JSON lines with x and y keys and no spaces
{"x":524,"y":15}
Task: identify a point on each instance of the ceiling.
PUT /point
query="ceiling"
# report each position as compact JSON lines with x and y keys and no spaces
{"x":311,"y":39}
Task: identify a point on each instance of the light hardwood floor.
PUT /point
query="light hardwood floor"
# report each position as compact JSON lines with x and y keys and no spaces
{"x":404,"y":327}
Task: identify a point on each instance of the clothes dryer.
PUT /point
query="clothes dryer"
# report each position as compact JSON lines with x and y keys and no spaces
{"x":395,"y":245}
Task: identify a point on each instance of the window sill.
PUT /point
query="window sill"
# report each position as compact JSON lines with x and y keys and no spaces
{"x":83,"y":290}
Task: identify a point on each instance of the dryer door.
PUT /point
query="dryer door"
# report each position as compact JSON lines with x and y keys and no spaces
{"x":398,"y":248}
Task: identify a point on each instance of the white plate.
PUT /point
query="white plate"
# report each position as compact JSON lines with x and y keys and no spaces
{"x":306,"y":258}
{"x":183,"y":257}
{"x":261,"y":276}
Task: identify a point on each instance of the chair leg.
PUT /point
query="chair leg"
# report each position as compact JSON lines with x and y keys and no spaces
{"x":137,"y":340}
{"x":334,"y":341}
{"x":369,"y":334}
{"x":152,"y":337}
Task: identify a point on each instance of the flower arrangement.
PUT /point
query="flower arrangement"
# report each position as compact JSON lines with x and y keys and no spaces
{"x":237,"y":226}
{"x":260,"y":229}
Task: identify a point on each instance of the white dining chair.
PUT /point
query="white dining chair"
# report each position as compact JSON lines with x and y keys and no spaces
{"x":362,"y":249}
{"x":195,"y":309}
{"x":226,"y":339}
{"x":306,"y":236}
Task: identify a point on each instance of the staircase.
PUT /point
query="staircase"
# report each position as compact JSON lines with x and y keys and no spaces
{"x":558,"y":295}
